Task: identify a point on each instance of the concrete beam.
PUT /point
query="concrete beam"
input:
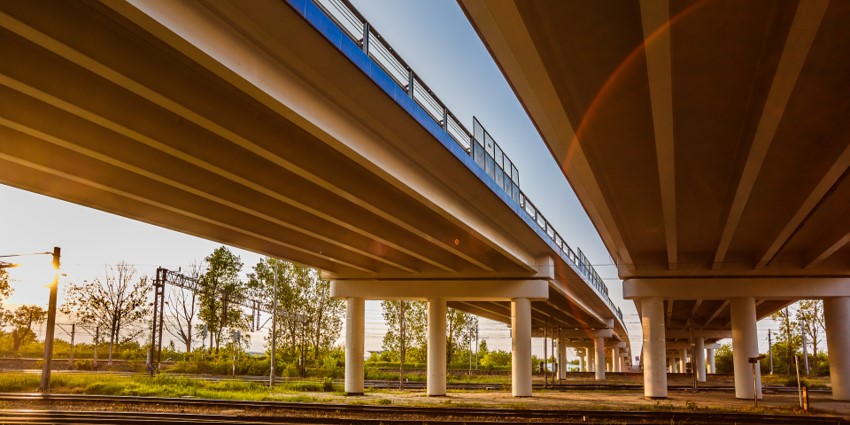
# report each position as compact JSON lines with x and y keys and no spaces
{"x":705,"y":333}
{"x":769,"y":288}
{"x":453,"y":290}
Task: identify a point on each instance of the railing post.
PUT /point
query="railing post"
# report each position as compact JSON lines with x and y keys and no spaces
{"x":410,"y":79}
{"x":365,"y":43}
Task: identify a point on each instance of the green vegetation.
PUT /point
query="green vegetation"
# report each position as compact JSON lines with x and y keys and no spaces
{"x":164,"y":386}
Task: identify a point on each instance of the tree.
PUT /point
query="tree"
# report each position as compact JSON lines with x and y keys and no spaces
{"x":787,"y":335}
{"x":220,"y":290}
{"x":461,"y":327}
{"x":117,"y":302}
{"x":495,"y":359}
{"x":723,"y":360}
{"x":309,"y":320}
{"x":182,"y":309}
{"x":5,"y":289}
{"x":811,"y":314}
{"x":22,"y":321}
{"x":406,"y":323}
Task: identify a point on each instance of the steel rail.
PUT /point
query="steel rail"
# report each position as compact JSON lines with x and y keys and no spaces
{"x":332,"y":413}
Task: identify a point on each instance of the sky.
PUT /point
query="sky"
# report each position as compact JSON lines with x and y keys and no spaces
{"x":437,"y":41}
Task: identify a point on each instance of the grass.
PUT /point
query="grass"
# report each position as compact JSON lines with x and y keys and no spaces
{"x":159,"y":386}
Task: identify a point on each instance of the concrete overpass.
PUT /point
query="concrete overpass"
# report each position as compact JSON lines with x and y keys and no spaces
{"x":268,"y":126}
{"x":708,"y":142}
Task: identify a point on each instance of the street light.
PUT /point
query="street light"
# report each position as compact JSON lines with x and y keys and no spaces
{"x":51,"y":315}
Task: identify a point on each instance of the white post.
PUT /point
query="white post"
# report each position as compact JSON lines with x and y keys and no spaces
{"x":355,"y":314}
{"x":591,"y":359}
{"x":599,"y":345}
{"x":436,"y":381}
{"x":699,"y":358}
{"x":745,"y":346}
{"x":683,"y":359}
{"x":562,"y":359}
{"x":655,"y":353}
{"x":836,"y":313}
{"x":521,"y":347}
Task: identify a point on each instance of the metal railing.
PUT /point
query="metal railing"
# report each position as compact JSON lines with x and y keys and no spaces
{"x":479,"y":145}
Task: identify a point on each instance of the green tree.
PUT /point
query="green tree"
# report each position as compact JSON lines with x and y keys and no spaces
{"x":723,"y":361}
{"x":116,"y":302}
{"x":406,"y":323}
{"x":811,"y":314}
{"x":22,"y":321}
{"x":220,"y":292}
{"x":496,"y":359}
{"x":460,"y":331}
{"x":788,"y":340}
{"x":309,"y":320}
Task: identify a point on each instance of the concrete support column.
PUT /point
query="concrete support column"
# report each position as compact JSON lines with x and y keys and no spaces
{"x":582,"y":363}
{"x":591,"y":360}
{"x":710,"y":355}
{"x":683,"y":360}
{"x":699,"y":358}
{"x":521,"y":347}
{"x":615,"y":359}
{"x":654,"y":351}
{"x":436,"y":378}
{"x":599,"y":345}
{"x":744,"y":346}
{"x":836,"y":313}
{"x":562,"y":360}
{"x":355,"y":321}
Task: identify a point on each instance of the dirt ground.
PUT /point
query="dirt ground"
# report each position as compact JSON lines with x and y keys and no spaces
{"x":714,"y":395}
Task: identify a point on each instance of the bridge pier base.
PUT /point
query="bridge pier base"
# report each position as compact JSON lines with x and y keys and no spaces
{"x":699,"y":358}
{"x":836,"y":313}
{"x":355,"y":322}
{"x":562,"y":359}
{"x":709,"y":357}
{"x":745,"y":346}
{"x":654,"y":348}
{"x":599,"y":348}
{"x":521,"y":347}
{"x":436,"y":382}
{"x":615,"y":359}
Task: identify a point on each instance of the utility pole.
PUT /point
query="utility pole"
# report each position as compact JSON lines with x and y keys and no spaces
{"x":805,"y":348}
{"x":51,"y":324}
{"x":770,"y":349}
{"x":73,"y":332}
{"x":274,"y":326}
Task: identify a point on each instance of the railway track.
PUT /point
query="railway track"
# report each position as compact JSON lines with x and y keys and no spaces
{"x":304,"y":413}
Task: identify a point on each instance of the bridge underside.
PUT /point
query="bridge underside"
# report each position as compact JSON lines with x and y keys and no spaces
{"x":209,"y":119}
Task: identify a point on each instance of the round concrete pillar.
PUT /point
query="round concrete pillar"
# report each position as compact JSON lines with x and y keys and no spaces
{"x":836,"y":312}
{"x":591,"y":359}
{"x":599,"y":345}
{"x":436,"y":381}
{"x":654,"y":352}
{"x":710,"y":355}
{"x":562,"y":360}
{"x":582,"y":363}
{"x":615,"y":359}
{"x":699,"y":358}
{"x":521,"y":347}
{"x":355,"y":320}
{"x":745,"y":346}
